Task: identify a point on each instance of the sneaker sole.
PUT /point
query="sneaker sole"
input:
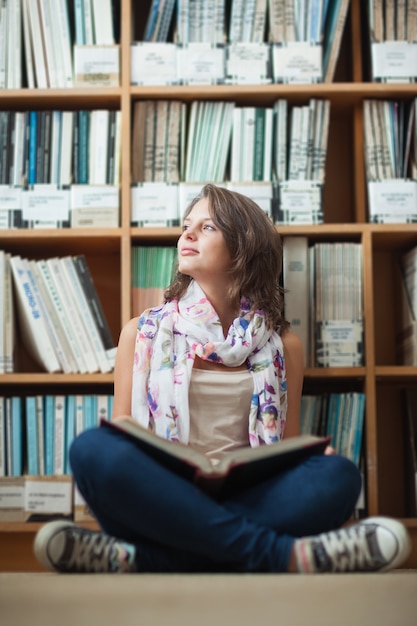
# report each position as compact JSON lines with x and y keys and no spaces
{"x":402,"y":538}
{"x":40,"y":544}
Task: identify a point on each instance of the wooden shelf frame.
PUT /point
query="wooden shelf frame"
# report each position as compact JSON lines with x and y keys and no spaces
{"x":345,"y":207}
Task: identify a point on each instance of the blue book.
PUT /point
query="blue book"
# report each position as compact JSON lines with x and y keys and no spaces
{"x":70,"y":409}
{"x":83,"y":146}
{"x":151,"y":21}
{"x":33,"y":141}
{"x":32,"y":437}
{"x":3,"y":447}
{"x":49,"y":434}
{"x":79,"y":23}
{"x":358,"y":434}
{"x":17,"y":436}
{"x":90,"y":412}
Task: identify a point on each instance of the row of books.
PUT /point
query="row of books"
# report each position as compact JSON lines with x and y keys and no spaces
{"x":61,"y":320}
{"x":218,"y":141}
{"x":60,"y":147}
{"x":338,"y":415}
{"x":46,"y":34}
{"x":390,"y":137}
{"x":152,"y":272}
{"x":41,"y":32}
{"x":407,"y":337}
{"x":392,"y":21}
{"x":316,"y":22}
{"x":324,"y":300}
{"x":36,"y":431}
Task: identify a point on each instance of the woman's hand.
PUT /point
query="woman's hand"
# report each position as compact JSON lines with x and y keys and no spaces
{"x":329,"y":450}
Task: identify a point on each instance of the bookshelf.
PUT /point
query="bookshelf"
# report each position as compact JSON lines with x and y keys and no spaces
{"x":108,"y":252}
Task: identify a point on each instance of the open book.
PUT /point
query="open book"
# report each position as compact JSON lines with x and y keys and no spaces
{"x":237,"y":469}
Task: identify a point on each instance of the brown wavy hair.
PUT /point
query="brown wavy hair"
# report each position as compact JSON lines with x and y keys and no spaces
{"x":255,"y":247}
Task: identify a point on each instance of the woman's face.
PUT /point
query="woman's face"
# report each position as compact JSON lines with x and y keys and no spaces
{"x":202,"y":251}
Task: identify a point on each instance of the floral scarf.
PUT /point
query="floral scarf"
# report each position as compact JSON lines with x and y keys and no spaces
{"x":167,"y":341}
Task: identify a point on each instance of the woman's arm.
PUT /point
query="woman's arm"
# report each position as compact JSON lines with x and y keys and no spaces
{"x":123,"y":369}
{"x":294,"y":365}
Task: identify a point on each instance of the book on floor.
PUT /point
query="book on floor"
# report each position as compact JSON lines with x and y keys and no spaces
{"x":237,"y":469}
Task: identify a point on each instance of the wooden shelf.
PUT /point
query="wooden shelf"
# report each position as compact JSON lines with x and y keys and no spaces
{"x":345,"y":209}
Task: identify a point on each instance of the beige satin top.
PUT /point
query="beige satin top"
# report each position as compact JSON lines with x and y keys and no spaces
{"x":219,"y":403}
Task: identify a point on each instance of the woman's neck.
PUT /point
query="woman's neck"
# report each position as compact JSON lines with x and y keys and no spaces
{"x":226,"y":309}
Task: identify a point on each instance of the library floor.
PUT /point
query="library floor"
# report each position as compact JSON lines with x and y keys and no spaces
{"x":204,"y":600}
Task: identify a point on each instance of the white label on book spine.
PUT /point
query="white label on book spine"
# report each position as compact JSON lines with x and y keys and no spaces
{"x":46,"y":203}
{"x":96,"y":66}
{"x":261,"y":193}
{"x":11,"y":496}
{"x":339,"y":332}
{"x":393,"y":199}
{"x":300,"y":195}
{"x":10,"y":197}
{"x":297,"y":62}
{"x":94,"y":196}
{"x":200,"y":64}
{"x":153,"y":63}
{"x":155,"y":204}
{"x":48,"y":497}
{"x":394,"y":59}
{"x":248,"y":63}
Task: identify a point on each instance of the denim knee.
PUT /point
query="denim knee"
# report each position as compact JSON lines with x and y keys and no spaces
{"x":82,"y":451}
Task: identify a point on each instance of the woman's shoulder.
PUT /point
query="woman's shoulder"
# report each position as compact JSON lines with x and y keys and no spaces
{"x":292,"y":343}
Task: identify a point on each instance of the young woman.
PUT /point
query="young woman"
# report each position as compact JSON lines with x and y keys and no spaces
{"x":217,"y":368}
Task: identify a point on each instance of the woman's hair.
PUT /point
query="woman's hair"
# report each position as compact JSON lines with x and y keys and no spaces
{"x":255,"y":248}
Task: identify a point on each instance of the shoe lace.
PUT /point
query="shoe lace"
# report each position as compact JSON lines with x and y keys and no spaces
{"x":350,"y":550}
{"x":91,"y":552}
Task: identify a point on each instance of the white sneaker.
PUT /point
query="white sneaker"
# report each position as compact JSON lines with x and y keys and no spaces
{"x":62,"y":546}
{"x":375,"y":544}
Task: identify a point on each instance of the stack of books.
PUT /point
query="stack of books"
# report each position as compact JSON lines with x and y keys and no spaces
{"x":391,"y":160}
{"x":61,"y":320}
{"x":152,"y":271}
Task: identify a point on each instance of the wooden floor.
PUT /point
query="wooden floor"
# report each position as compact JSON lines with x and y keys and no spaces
{"x":209,"y":600}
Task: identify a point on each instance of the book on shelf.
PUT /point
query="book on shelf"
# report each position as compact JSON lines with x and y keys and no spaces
{"x":60,"y":315}
{"x":334,"y":25}
{"x":410,"y":427}
{"x":7,"y":324}
{"x":389,"y":144}
{"x":237,"y":469}
{"x":32,"y":323}
{"x":96,"y":307}
{"x":152,"y":272}
{"x":406,"y":338}
{"x":159,"y":20}
{"x":338,"y":304}
{"x":339,"y":416}
{"x":295,"y":275}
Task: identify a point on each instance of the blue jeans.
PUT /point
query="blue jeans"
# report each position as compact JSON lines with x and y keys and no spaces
{"x":176,"y":527}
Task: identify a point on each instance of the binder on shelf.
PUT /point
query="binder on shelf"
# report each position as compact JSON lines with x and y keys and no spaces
{"x":153,"y":63}
{"x":394,"y":61}
{"x":97,"y":66}
{"x":34,"y":498}
{"x":298,"y":202}
{"x":392,"y":201}
{"x":155,"y":204}
{"x":95,"y":206}
{"x":10,"y":207}
{"x":45,"y":206}
{"x":201,"y":64}
{"x":297,"y":62}
{"x":259,"y":192}
{"x":248,"y":63}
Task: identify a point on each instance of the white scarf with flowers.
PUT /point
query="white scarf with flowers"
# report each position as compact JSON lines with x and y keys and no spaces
{"x":169,"y":337}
